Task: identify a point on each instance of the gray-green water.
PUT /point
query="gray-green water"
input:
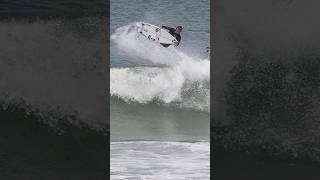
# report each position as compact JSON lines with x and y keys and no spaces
{"x":159,"y":105}
{"x":150,"y":101}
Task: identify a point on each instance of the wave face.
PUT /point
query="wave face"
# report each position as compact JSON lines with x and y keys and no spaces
{"x":169,"y":76}
{"x":53,"y":89}
{"x":159,"y":97}
{"x":56,"y":67}
{"x":160,"y":160}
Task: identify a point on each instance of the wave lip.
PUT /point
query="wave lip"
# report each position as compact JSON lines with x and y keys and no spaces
{"x":181,"y":80}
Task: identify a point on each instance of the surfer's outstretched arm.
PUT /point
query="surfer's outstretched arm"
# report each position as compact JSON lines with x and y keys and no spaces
{"x":168,"y":28}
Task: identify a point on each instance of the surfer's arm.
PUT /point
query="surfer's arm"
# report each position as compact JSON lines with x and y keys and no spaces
{"x":178,"y":38}
{"x":168,"y":28}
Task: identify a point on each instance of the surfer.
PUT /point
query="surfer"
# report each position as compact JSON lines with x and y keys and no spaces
{"x":175,"y":32}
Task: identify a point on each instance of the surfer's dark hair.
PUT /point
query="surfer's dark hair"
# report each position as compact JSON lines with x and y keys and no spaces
{"x":179,"y":27}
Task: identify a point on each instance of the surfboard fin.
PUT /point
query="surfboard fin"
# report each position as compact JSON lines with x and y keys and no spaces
{"x":165,"y":45}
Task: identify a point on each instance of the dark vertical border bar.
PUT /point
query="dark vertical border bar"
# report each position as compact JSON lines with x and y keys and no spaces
{"x":54,"y":95}
{"x":264,"y":72}
{"x":108,"y":87}
{"x":212,"y":59}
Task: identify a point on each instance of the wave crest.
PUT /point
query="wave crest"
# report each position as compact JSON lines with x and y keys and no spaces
{"x":183,"y":80}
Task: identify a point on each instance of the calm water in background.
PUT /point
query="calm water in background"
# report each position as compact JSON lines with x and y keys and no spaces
{"x":160,"y":97}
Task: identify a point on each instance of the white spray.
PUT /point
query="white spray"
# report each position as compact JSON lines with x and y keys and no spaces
{"x":184,"y":81}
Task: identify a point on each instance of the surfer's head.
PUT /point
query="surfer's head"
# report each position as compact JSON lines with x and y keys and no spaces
{"x":179,"y":29}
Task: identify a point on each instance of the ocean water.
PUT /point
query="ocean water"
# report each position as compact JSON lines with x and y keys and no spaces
{"x":159,"y":160}
{"x":54,"y":61}
{"x":53,"y":89}
{"x":159,"y":97}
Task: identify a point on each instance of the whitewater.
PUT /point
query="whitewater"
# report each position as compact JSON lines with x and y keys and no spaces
{"x":159,"y":97}
{"x":171,"y":77}
{"x":148,"y":160}
{"x":159,"y":106}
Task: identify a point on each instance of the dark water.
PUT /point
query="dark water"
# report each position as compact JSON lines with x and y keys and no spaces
{"x":53,"y":76}
{"x":266,"y":84}
{"x":55,"y":64}
{"x":46,"y":8}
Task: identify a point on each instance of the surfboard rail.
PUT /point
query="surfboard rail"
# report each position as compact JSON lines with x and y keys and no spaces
{"x":156,"y":34}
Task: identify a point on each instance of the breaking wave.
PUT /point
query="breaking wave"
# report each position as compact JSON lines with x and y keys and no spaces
{"x":174,"y":77}
{"x":56,"y":68}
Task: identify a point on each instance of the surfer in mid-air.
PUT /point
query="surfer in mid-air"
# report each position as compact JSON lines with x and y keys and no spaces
{"x":175,"y":32}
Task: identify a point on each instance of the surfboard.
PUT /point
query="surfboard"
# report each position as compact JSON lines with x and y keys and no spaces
{"x":156,"y":34}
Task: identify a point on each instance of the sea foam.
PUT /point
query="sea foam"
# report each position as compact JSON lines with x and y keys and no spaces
{"x":182,"y":80}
